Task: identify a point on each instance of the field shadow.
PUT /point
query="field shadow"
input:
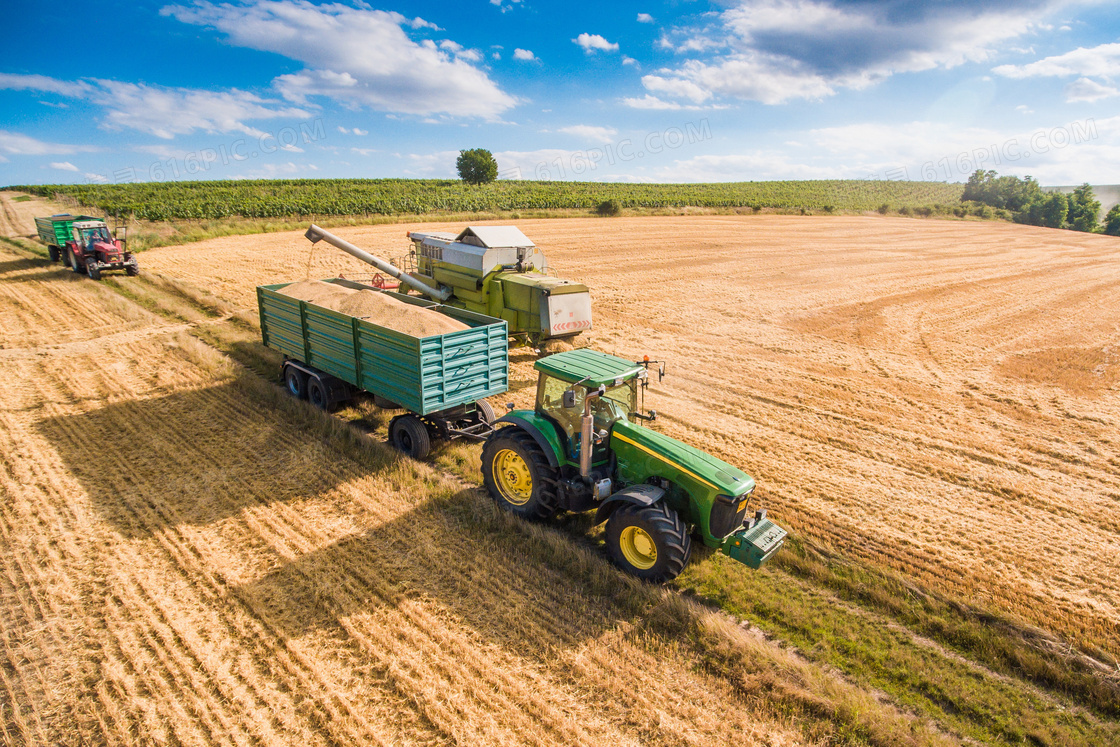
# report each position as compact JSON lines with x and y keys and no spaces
{"x":524,"y":587}
{"x":192,"y":457}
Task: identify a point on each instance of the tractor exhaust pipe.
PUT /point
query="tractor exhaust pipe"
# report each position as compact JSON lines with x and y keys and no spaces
{"x":586,"y":433}
{"x":316,"y":234}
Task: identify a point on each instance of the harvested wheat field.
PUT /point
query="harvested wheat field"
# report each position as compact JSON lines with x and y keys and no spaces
{"x":941,"y":398}
{"x":191,"y":558}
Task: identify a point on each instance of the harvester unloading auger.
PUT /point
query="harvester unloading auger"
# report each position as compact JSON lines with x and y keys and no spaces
{"x":492,"y":270}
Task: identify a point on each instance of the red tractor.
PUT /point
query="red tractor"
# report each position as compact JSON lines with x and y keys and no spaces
{"x":85,"y":244}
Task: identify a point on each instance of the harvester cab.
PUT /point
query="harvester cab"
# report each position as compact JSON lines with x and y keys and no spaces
{"x":583,"y":447}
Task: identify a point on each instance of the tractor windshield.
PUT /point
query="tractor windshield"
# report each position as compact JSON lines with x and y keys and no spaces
{"x":96,"y":234}
{"x":616,"y":404}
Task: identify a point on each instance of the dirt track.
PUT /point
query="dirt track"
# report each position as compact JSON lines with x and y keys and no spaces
{"x":940,"y":397}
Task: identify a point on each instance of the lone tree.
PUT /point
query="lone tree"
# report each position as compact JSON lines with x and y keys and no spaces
{"x":477,"y":166}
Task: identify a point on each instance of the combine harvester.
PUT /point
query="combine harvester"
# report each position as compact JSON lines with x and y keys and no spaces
{"x":492,"y":270}
{"x":85,"y":244}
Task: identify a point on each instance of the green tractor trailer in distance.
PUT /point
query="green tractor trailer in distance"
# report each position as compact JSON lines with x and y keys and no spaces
{"x":492,"y":270}
{"x":583,"y":447}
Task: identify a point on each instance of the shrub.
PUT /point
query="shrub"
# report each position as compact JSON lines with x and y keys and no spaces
{"x":609,"y":207}
{"x":884,"y":209}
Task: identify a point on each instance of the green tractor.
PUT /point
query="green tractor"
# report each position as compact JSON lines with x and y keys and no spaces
{"x":654,"y":492}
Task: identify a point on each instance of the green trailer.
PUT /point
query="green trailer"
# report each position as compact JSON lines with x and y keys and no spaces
{"x":441,"y":381}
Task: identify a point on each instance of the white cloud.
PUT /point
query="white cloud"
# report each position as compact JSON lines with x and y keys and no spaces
{"x":645,"y":18}
{"x":502,"y":4}
{"x":164,"y":112}
{"x":96,"y":178}
{"x":652,"y":102}
{"x":629,"y":61}
{"x":1102,"y":61}
{"x":780,"y":50}
{"x":590,"y":132}
{"x":357,"y":56}
{"x":1084,"y":89}
{"x":738,"y":167}
{"x":354,"y":131}
{"x":63,"y":166}
{"x":593,"y":42}
{"x":18,"y":144}
{"x":523,"y":54}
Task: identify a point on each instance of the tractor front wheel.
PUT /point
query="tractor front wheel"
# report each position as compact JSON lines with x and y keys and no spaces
{"x":650,"y":542}
{"x":93,"y":270}
{"x":132,"y":269}
{"x":517,"y":474}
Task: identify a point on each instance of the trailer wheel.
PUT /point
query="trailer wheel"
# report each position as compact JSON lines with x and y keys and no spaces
{"x":93,"y":270}
{"x":517,"y":474}
{"x":650,"y":542}
{"x":53,"y":252}
{"x":317,"y":394}
{"x":409,"y":435}
{"x":132,"y":269}
{"x":296,"y":382}
{"x":485,"y":411}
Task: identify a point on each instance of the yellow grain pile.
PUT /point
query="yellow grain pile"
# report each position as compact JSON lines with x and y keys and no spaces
{"x":375,"y":307}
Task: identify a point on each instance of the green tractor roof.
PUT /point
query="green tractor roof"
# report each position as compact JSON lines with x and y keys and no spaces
{"x":590,"y":367}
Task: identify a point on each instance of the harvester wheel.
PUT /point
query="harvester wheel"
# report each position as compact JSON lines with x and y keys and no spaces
{"x":485,"y":411}
{"x":317,"y":395}
{"x":650,"y":542}
{"x":132,"y":269}
{"x":517,"y":474}
{"x":296,"y":381}
{"x":93,"y":271}
{"x":54,"y":253}
{"x":409,"y":435}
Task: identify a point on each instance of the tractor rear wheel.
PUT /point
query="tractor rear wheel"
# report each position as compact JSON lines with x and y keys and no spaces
{"x":517,"y":474}
{"x":296,"y":382}
{"x":54,"y":252}
{"x":650,"y":542}
{"x":72,"y":260}
{"x":409,"y":435}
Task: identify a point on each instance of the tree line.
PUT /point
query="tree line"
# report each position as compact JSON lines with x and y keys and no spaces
{"x":1028,"y":203}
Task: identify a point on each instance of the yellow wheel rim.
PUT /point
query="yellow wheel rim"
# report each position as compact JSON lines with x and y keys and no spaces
{"x":512,"y":476}
{"x":638,"y":548}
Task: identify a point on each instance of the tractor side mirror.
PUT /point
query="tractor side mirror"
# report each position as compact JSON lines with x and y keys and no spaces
{"x":122,"y":234}
{"x":568,"y":399}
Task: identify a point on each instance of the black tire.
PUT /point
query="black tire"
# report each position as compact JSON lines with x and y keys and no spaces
{"x":296,"y":382}
{"x":409,"y":435}
{"x":72,"y":260}
{"x":93,"y":271}
{"x":54,"y":253}
{"x":132,"y":269}
{"x":517,"y":474}
{"x":650,"y":542}
{"x":485,"y":411}
{"x":317,"y":395}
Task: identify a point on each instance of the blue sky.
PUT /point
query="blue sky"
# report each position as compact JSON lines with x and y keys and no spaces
{"x":648,"y":91}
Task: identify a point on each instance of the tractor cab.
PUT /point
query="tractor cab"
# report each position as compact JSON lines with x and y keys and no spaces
{"x":604,"y":386}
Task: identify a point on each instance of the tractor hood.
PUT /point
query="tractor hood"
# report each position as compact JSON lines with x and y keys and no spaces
{"x":676,"y":456}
